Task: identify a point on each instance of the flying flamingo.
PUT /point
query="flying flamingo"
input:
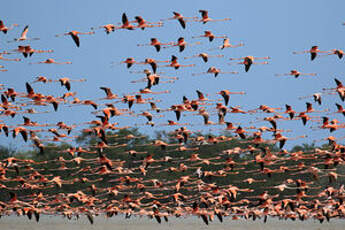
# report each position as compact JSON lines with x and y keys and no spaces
{"x":178,"y":109}
{"x":267,"y":109}
{"x":2,"y":70}
{"x":208,"y":34}
{"x":109,"y":93}
{"x":125,"y":23}
{"x":311,"y":110}
{"x":154,"y":107}
{"x":74,"y":35}
{"x":67,"y":82}
{"x":215,"y":71}
{"x":201,"y":96}
{"x":296,"y":74}
{"x":304,"y":117}
{"x":226,"y":95}
{"x":4,"y":28}
{"x":9,"y":59}
{"x":227,"y":44}
{"x":129,"y":62}
{"x":108,"y":28}
{"x":313,"y":52}
{"x":206,"y":117}
{"x":204,"y":56}
{"x":222,"y":110}
{"x":340,"y":89}
{"x":28,"y":122}
{"x":249,"y":60}
{"x":175,"y":64}
{"x":149,"y":91}
{"x":42,"y":79}
{"x":316,"y":96}
{"x":237,"y":110}
{"x":181,"y":19}
{"x":144,"y":24}
{"x":23,"y":36}
{"x":152,"y":62}
{"x":148,"y":116}
{"x":340,"y":109}
{"x":155,"y":43}
{"x":27,"y":51}
{"x":52,"y":61}
{"x":152,"y":79}
{"x":22,"y":131}
{"x":205,"y":18}
{"x":181,"y":43}
{"x":338,"y":52}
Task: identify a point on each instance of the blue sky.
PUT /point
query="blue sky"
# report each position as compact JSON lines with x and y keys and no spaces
{"x":267,"y":28}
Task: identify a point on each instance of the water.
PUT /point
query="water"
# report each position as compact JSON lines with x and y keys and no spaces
{"x":144,"y":223}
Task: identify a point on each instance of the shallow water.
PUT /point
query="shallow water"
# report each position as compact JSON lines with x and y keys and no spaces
{"x":190,"y":223}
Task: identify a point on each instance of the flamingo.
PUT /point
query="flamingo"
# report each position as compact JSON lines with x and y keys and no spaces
{"x":248,"y":61}
{"x":340,"y":109}
{"x":181,"y":43}
{"x":74,"y":35}
{"x":28,"y":122}
{"x":65,"y":81}
{"x":144,"y":24}
{"x":304,"y":117}
{"x":152,"y":62}
{"x":27,"y":51}
{"x":208,"y":34}
{"x":338,"y":52}
{"x":314,"y":50}
{"x":340,"y":89}
{"x":9,"y":59}
{"x":22,"y":131}
{"x":175,"y":64}
{"x":129,"y":62}
{"x":181,"y":19}
{"x":215,"y":71}
{"x":152,"y":79}
{"x":107,"y":28}
{"x":226,"y":95}
{"x":4,"y":28}
{"x":227,"y":44}
{"x":204,"y":56}
{"x":11,"y":93}
{"x":52,"y":61}
{"x":155,"y":43}
{"x":148,"y":116}
{"x":125,"y":23}
{"x":317,"y":98}
{"x":205,"y":18}
{"x":296,"y":74}
{"x":109,"y":93}
{"x":178,"y":109}
{"x":23,"y":36}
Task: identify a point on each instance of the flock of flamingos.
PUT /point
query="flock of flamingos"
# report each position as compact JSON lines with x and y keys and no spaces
{"x":138,"y":188}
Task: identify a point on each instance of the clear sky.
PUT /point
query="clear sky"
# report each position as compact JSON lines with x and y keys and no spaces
{"x":267,"y":28}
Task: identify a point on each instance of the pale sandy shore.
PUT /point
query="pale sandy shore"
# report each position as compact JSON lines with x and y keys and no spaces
{"x":191,"y":223}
